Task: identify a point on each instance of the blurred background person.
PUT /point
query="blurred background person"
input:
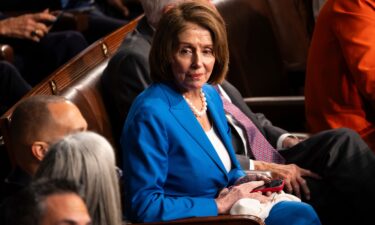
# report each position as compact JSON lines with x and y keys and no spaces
{"x":38,"y":52}
{"x":340,"y":79}
{"x":89,"y":19}
{"x":46,"y":202}
{"x":12,"y":86}
{"x":89,"y":160}
{"x":117,"y":10}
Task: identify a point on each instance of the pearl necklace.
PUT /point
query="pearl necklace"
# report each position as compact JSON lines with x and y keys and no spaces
{"x":196,"y":112}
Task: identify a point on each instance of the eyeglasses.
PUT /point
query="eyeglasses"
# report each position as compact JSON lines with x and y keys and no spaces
{"x":118,"y":172}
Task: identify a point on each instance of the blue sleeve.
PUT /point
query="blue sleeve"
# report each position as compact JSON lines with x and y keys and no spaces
{"x":144,"y":144}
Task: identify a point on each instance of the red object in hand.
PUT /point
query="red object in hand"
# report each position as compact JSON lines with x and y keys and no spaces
{"x":272,"y":186}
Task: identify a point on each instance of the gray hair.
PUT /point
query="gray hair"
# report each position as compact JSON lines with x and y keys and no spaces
{"x":154,"y":9}
{"x":88,"y":159}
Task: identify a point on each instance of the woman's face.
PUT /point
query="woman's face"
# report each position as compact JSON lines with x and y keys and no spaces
{"x":193,"y":59}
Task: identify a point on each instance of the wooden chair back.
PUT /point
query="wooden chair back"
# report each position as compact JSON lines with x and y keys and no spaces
{"x":79,"y":81}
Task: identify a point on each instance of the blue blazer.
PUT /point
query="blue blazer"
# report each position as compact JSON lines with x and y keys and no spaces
{"x":171,"y":169}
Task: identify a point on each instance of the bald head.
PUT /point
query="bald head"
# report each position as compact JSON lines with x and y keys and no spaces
{"x":38,"y":122}
{"x":65,"y":118}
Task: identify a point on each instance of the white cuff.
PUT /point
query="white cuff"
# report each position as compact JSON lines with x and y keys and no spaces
{"x":281,"y":139}
{"x":251,"y":165}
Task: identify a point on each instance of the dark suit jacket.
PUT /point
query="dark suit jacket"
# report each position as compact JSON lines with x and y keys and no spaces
{"x":15,"y":182}
{"x":128,"y":73}
{"x":271,"y":132}
{"x":12,"y":86}
{"x":29,"y":5}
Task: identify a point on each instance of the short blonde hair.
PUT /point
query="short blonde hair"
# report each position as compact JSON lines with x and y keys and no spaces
{"x":174,"y":22}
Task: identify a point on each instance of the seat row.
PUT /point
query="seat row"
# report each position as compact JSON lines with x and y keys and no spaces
{"x":268,"y":43}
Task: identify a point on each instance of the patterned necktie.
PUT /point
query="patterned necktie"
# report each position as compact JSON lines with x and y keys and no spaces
{"x":262,"y":150}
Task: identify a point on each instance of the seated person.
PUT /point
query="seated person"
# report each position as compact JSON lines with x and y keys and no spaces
{"x":89,"y":160}
{"x":89,"y":19}
{"x":46,"y":202}
{"x":340,"y":78}
{"x":37,"y":51}
{"x":178,"y":157}
{"x":118,"y":5}
{"x":127,"y":73}
{"x":99,"y":24}
{"x":36,"y":123}
{"x":306,"y":170}
{"x":128,"y":9}
{"x":12,"y":86}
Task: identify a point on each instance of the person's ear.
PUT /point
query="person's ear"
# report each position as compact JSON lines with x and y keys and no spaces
{"x":39,"y":149}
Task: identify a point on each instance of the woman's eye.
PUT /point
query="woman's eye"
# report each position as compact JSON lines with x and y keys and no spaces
{"x":208,"y":51}
{"x":185,"y":51}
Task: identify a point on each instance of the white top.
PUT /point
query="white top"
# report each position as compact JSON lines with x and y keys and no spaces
{"x":220,"y":148}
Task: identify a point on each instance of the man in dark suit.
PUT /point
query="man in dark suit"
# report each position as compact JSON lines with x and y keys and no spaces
{"x":324,"y":170}
{"x":131,"y":60}
{"x":36,"y":123}
{"x":12,"y":86}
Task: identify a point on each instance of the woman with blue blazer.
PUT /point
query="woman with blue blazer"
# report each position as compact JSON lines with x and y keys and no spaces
{"x":176,"y":145}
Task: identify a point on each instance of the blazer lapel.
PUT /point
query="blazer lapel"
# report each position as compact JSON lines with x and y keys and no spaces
{"x":220,"y":127}
{"x":185,"y":117}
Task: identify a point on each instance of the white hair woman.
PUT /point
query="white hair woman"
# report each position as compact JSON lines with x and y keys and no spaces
{"x":88,"y":159}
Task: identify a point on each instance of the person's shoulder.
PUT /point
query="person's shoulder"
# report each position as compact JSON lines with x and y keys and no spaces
{"x":135,"y":43}
{"x":151,"y":104}
{"x":133,"y":49}
{"x":152,"y":99}
{"x":339,"y":8}
{"x":209,"y":89}
{"x":211,"y":92}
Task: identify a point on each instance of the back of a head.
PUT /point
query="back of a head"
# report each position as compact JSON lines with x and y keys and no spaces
{"x":27,"y":207}
{"x":88,"y":159}
{"x":36,"y":123}
{"x":29,"y":122}
{"x":31,"y":117}
{"x":154,"y":9}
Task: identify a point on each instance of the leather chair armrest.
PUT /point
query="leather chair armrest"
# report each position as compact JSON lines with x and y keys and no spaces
{"x":287,"y":112}
{"x":214,"y":220}
{"x":6,"y":53}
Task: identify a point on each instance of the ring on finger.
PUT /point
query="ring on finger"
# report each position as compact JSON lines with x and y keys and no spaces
{"x":35,"y":32}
